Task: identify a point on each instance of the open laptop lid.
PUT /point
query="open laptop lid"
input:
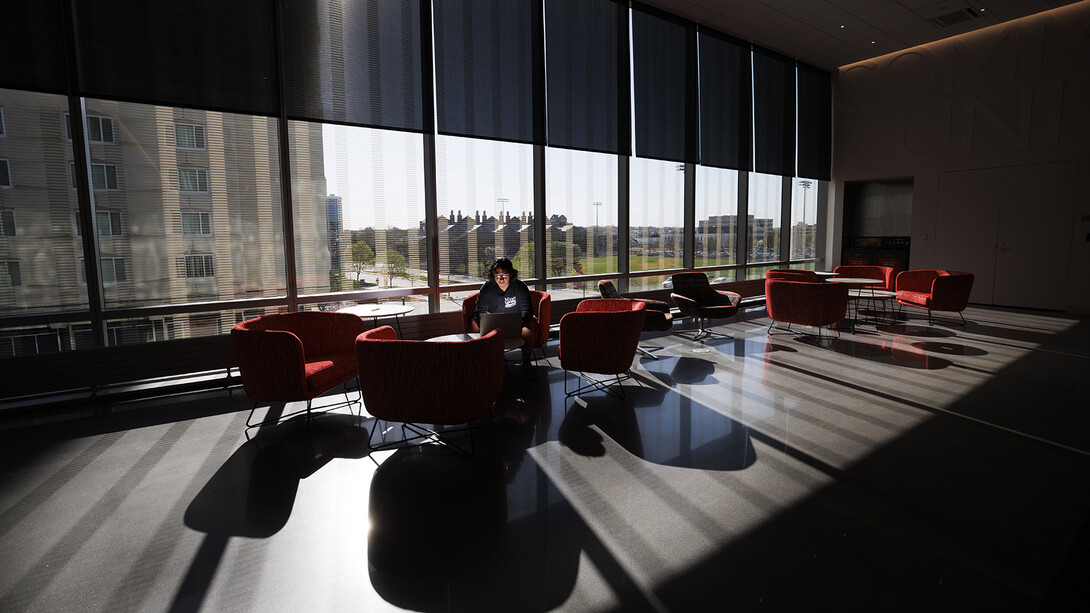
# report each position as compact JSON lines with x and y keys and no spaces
{"x":510,"y":323}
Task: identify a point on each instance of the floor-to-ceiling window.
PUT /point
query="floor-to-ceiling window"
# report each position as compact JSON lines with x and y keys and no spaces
{"x":803,"y":228}
{"x":716,"y":219}
{"x":656,"y":218}
{"x":581,"y":219}
{"x":183,"y":184}
{"x":358,"y":206}
{"x":763,"y":226}
{"x":486,"y":210}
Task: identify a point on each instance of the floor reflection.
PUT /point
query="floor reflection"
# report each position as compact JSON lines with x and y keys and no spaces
{"x":890,"y":352}
{"x":948,"y":348}
{"x":659,"y":426}
{"x":673,"y":370}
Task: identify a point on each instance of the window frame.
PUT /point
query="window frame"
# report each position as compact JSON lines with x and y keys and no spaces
{"x":207,"y":184}
{"x":112,"y":259}
{"x":98,"y":119}
{"x":5,"y":175}
{"x":3,"y":128}
{"x":105,"y":176}
{"x":5,"y":226}
{"x":7,"y":264}
{"x":193,"y":126}
{"x":208,"y":262}
{"x":204,"y":219}
{"x":111,"y":216}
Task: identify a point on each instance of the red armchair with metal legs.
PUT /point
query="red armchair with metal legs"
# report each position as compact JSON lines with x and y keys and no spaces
{"x":935,"y":290}
{"x":541,"y":306}
{"x":295,"y":357}
{"x":805,"y":303}
{"x":694,"y":297}
{"x":428,"y":382}
{"x":792,"y":274}
{"x":600,"y":337}
{"x":657,"y":315}
{"x":878,"y":273}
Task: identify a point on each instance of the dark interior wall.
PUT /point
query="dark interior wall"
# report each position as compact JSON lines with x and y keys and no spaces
{"x":1010,"y":100}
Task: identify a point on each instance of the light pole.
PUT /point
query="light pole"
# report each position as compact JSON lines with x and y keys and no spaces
{"x":597,"y":204}
{"x":805,"y":185}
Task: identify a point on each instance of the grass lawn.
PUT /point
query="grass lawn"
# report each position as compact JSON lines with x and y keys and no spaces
{"x":602,"y":264}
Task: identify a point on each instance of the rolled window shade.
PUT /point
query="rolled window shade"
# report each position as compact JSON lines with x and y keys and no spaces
{"x":484,"y":68}
{"x":773,"y":113}
{"x":661,"y":86}
{"x":582,"y":58}
{"x":194,"y":53}
{"x":353,"y":62}
{"x":32,"y":46}
{"x":815,"y":123}
{"x":726,"y":120}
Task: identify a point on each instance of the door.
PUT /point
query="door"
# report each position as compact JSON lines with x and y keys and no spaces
{"x":1033,"y":245}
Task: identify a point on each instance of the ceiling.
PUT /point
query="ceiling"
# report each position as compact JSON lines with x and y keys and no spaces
{"x":833,"y":33}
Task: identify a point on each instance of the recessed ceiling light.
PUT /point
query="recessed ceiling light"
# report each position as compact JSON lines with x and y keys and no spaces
{"x":872,"y":42}
{"x":841,"y":27}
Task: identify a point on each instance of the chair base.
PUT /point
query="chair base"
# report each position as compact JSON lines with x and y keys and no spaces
{"x":647,"y":351}
{"x":348,"y":402}
{"x":931,"y":318}
{"x":819,"y":336}
{"x":426,"y":435}
{"x":592,"y":383}
{"x":703,"y":332}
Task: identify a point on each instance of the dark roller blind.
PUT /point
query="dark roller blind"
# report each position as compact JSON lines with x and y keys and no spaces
{"x":196,"y":53}
{"x":662,"y":68}
{"x":773,"y":113}
{"x":815,"y":123}
{"x":353,"y":62}
{"x":726,"y":122}
{"x":484,"y":68}
{"x":582,"y":49}
{"x":32,"y":46}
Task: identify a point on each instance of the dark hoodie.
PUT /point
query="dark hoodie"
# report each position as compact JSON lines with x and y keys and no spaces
{"x":515,"y":300}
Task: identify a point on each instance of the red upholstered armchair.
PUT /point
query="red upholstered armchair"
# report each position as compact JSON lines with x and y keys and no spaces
{"x":657,"y":315}
{"x":600,"y":337}
{"x":805,"y":303}
{"x":694,"y":296}
{"x":878,"y":273}
{"x":293,"y":357}
{"x":542,"y":309}
{"x":428,"y":382}
{"x":935,"y":290}
{"x":792,"y":274}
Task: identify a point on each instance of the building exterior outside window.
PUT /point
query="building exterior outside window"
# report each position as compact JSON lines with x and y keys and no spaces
{"x":7,"y":224}
{"x":188,"y":136}
{"x":113,"y":270}
{"x":99,"y":129}
{"x":11,"y":274}
{"x":192,"y":180}
{"x":199,"y":265}
{"x":196,"y":223}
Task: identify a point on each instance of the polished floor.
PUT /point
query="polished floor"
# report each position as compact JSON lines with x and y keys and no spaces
{"x":900,"y":468}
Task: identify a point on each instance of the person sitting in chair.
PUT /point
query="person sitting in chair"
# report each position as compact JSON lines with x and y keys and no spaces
{"x":504,"y":293}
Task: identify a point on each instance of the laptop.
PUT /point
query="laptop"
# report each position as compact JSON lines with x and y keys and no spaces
{"x":510,"y":323}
